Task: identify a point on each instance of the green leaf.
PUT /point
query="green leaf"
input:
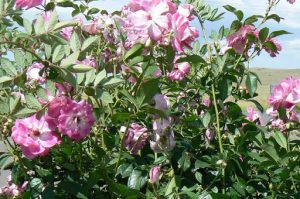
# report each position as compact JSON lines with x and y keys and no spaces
{"x":137,"y":179}
{"x":280,"y":139}
{"x":125,"y":170}
{"x":184,"y":162}
{"x":198,"y":176}
{"x":58,"y":54}
{"x":88,"y":42}
{"x":112,"y":83}
{"x":270,"y":150}
{"x":263,"y":34}
{"x":251,"y":83}
{"x":8,"y":67}
{"x":25,"y":112}
{"x":20,"y":58}
{"x":105,"y":97}
{"x":278,"y":33}
{"x":50,"y":87}
{"x":52,"y":21}
{"x":134,"y":51}
{"x":71,"y":59}
{"x":75,"y":42}
{"x":68,"y":76}
{"x":36,"y":187}
{"x":90,"y":77}
{"x":32,"y":101}
{"x":275,"y":17}
{"x":225,"y":88}
{"x":5,"y":79}
{"x":171,"y":186}
{"x":99,"y":77}
{"x":27,"y":25}
{"x":39,"y":25}
{"x":206,"y":119}
{"x":194,"y":59}
{"x":230,"y":8}
{"x":64,"y":24}
{"x":14,"y":103}
{"x":80,"y":68}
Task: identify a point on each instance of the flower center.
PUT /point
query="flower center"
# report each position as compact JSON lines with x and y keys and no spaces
{"x":36,"y":133}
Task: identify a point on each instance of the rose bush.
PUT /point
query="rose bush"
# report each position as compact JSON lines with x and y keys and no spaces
{"x":131,"y":104}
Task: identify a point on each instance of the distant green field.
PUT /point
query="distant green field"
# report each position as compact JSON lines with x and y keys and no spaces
{"x":269,"y":77}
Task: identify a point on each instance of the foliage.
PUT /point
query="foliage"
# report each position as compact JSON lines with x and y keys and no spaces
{"x":219,"y":152}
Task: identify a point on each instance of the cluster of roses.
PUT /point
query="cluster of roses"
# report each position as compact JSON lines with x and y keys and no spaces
{"x":162,"y":22}
{"x":37,"y":135}
{"x":285,"y":95}
{"x":11,"y":190}
{"x":240,"y":44}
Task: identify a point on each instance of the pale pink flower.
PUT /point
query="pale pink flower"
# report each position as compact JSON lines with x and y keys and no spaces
{"x":63,"y":89}
{"x":291,"y":1}
{"x":183,"y":34}
{"x":161,"y":124}
{"x":273,"y":53}
{"x":179,"y":71}
{"x":209,"y":135}
{"x":238,"y":40}
{"x":163,"y":141}
{"x":206,"y":102}
{"x":89,"y":61}
{"x":34,"y":136}
{"x":286,"y":94}
{"x":146,"y":19}
{"x":252,"y":114}
{"x":19,"y":94}
{"x":26,"y":4}
{"x":55,"y":105}
{"x":33,"y":73}
{"x":154,"y":175}
{"x":76,"y":119}
{"x":186,"y":11}
{"x":66,"y":33}
{"x":135,"y":138}
{"x":161,"y":102}
{"x":11,"y":189}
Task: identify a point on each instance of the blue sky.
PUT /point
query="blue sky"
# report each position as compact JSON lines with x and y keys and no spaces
{"x":288,"y":58}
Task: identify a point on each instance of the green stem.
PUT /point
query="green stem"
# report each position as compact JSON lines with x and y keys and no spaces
{"x":214,"y":98}
{"x":218,"y":119}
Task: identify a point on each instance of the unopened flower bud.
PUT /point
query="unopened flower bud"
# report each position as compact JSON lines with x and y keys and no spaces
{"x":154,"y":175}
{"x":222,"y":163}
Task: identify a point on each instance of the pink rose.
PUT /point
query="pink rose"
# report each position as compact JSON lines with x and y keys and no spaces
{"x":252,"y":114}
{"x":33,"y":73}
{"x":238,"y":40}
{"x":34,"y":136}
{"x":135,"y":138}
{"x":89,"y":61}
{"x":154,"y":175}
{"x":75,"y":119}
{"x":273,"y":53}
{"x":179,"y":71}
{"x":183,"y":33}
{"x":161,"y":102}
{"x":209,"y":135}
{"x":286,"y":94}
{"x":26,"y":4}
{"x":291,"y":1}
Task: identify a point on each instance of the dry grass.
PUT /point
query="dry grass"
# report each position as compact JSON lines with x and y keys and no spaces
{"x":269,"y":77}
